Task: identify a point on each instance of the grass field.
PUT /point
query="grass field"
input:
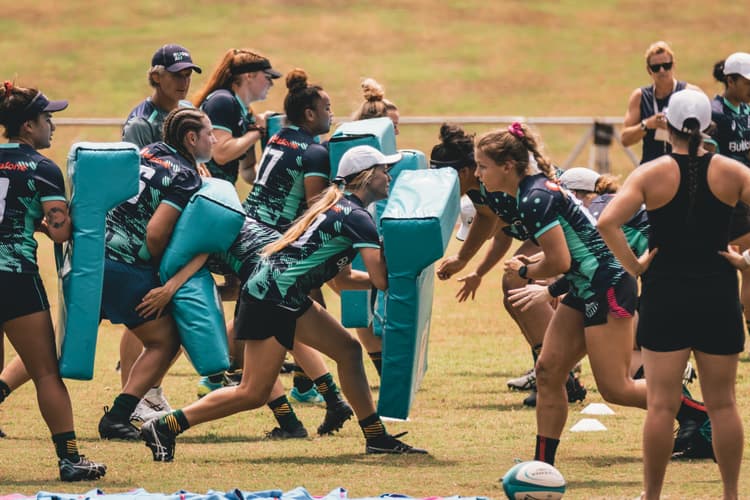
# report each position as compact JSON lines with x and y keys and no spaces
{"x":435,"y":58}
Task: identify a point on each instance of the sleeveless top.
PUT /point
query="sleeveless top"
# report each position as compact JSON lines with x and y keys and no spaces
{"x":651,"y":147}
{"x":690,"y":235}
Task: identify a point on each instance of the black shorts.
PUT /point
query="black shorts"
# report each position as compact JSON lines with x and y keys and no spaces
{"x":701,"y":313}
{"x":259,"y":320}
{"x":619,"y":300}
{"x":23,"y":294}
{"x":739,"y":224}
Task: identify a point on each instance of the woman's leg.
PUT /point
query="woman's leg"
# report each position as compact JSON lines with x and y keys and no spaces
{"x":664,"y":390}
{"x":610,"y":347}
{"x":263,"y":359}
{"x":161,"y":343}
{"x":718,"y":379}
{"x":14,"y":375}
{"x":32,"y":336}
{"x":321,"y":331}
{"x":563,"y":347}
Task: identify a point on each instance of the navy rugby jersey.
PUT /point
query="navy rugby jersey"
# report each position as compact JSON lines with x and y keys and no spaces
{"x":165,"y":177}
{"x":504,"y":206}
{"x":636,"y":229}
{"x":243,"y":256}
{"x":328,"y":245}
{"x":543,"y":205}
{"x":278,"y":194}
{"x":27,"y":179}
{"x":145,"y":123}
{"x":228,"y":113}
{"x":732,"y":129}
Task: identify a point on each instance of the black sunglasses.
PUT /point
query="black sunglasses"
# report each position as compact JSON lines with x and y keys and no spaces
{"x":655,"y":67}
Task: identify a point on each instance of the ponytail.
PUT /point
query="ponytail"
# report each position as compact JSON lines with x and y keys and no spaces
{"x":326,"y":200}
{"x":515,"y":144}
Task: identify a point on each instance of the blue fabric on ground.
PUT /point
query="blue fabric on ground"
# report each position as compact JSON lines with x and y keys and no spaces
{"x":299,"y":493}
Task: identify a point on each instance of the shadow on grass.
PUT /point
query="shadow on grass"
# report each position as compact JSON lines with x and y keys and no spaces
{"x":380,"y":461}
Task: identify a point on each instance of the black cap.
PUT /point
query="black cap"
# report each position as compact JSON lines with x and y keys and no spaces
{"x":259,"y":65}
{"x":40,"y":104}
{"x":174,"y":58}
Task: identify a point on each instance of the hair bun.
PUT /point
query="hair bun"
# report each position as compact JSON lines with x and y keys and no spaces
{"x":372,"y":90}
{"x":296,"y":80}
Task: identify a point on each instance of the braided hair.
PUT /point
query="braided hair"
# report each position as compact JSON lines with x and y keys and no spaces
{"x":690,"y":132}
{"x":515,"y":144}
{"x":176,"y":126}
{"x":14,"y":101}
{"x":301,"y":96}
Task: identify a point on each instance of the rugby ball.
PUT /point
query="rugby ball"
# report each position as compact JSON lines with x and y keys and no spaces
{"x":533,"y":480}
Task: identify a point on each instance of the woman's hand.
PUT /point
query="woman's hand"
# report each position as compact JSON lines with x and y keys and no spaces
{"x":514,"y":263}
{"x":469,"y":288}
{"x":155,"y":301}
{"x":644,"y":261}
{"x":529,"y":296}
{"x":450,"y":266}
{"x":735,"y":258}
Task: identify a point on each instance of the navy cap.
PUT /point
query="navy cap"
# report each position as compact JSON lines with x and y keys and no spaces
{"x":40,"y":104}
{"x":174,"y":58}
{"x":259,"y":65}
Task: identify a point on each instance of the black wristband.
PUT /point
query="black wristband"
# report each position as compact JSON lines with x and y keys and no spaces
{"x":522,"y":271}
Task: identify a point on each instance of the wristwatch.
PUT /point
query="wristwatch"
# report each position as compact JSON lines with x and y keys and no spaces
{"x":522,"y":271}
{"x":643,"y":126}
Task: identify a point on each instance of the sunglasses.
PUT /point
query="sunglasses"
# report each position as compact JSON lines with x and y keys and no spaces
{"x":656,"y":67}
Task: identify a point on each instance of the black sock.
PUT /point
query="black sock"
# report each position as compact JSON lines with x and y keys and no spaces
{"x":377,"y":360}
{"x":328,"y":388}
{"x":66,"y":446}
{"x":535,"y":352}
{"x":639,"y":373}
{"x":747,"y":324}
{"x":301,"y":381}
{"x":173,"y":423}
{"x":216,"y":378}
{"x":372,"y":427}
{"x":123,"y":407}
{"x":284,"y":414}
{"x":546,"y":449}
{"x":4,"y":391}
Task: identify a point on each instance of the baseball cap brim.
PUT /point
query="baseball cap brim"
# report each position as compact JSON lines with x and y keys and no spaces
{"x":272,"y":73}
{"x":53,"y":106}
{"x":391,"y":159}
{"x":183,"y":65}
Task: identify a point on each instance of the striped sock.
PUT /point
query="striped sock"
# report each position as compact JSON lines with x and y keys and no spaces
{"x":173,"y":423}
{"x":328,"y":388}
{"x":284,"y":414}
{"x":301,"y":381}
{"x":546,"y":449}
{"x":66,"y":445}
{"x":372,"y":426}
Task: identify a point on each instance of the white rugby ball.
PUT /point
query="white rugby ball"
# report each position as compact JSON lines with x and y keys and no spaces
{"x":533,"y":480}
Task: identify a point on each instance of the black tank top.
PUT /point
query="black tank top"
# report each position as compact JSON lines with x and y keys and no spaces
{"x":689,"y":237}
{"x":651,"y":147}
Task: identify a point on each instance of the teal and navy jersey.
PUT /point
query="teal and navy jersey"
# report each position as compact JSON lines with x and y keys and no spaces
{"x":243,"y":256}
{"x":732,"y":132}
{"x":329,"y":245}
{"x":227,"y":113}
{"x":504,"y":206}
{"x":278,"y":194}
{"x":636,"y":229}
{"x":165,"y":177}
{"x":145,"y":123}
{"x":543,"y":205}
{"x":27,"y":179}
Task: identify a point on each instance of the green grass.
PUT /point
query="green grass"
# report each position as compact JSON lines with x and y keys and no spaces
{"x":466,"y":57}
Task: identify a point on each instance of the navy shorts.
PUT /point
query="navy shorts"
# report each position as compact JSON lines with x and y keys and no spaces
{"x":23,"y":294}
{"x":259,"y":320}
{"x":620,"y":300}
{"x":124,"y":288}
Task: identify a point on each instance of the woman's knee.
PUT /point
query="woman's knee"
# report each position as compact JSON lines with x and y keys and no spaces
{"x":549,"y":372}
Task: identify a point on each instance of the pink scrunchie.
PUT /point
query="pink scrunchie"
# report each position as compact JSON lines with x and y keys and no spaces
{"x":516,"y":130}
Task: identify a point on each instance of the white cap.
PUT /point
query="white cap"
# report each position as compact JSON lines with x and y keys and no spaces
{"x":360,"y":158}
{"x":738,"y":64}
{"x":465,"y":217}
{"x":686,"y":104}
{"x":580,"y":179}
